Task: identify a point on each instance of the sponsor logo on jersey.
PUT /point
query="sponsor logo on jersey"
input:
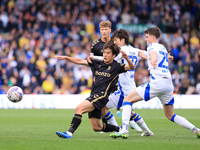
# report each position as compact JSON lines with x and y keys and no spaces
{"x":105,"y":74}
{"x":133,"y":53}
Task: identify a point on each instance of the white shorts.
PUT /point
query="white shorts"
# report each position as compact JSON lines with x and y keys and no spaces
{"x":116,"y":98}
{"x":161,"y":88}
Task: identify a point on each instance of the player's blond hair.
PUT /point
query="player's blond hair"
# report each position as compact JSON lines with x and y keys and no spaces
{"x":105,"y":23}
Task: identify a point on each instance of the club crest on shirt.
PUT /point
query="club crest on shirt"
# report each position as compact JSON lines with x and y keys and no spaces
{"x":102,"y":51}
{"x":109,"y":67}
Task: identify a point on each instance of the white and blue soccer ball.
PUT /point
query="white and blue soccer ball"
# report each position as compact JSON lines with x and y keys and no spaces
{"x":15,"y":94}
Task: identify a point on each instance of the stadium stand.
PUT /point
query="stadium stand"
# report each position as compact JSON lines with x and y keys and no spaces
{"x":33,"y":31}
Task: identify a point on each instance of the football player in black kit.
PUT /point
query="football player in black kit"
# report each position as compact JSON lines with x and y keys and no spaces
{"x":97,"y":50}
{"x":106,"y":74}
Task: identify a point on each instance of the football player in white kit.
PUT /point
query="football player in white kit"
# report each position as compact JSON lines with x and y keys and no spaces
{"x":157,"y":60}
{"x":126,"y":82}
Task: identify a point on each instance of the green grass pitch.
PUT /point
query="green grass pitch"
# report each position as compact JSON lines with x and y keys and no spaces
{"x":34,"y":129}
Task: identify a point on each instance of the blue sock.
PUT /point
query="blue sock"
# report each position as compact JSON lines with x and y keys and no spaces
{"x":136,"y":117}
{"x":108,"y":115}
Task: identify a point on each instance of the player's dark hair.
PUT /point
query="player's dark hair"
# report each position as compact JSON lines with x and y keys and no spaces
{"x":155,"y":31}
{"x":121,"y":34}
{"x":115,"y":49}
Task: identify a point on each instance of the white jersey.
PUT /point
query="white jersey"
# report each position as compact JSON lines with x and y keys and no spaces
{"x":162,"y":60}
{"x":126,"y":79}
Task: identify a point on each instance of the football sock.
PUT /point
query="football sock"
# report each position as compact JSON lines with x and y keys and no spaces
{"x":142,"y":125}
{"x":76,"y":121}
{"x":126,"y":115}
{"x":110,"y":118}
{"x":135,"y":117}
{"x":183,"y":122}
{"x":104,"y":119}
{"x":109,"y":128}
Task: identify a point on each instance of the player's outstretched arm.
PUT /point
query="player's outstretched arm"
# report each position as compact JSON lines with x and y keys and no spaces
{"x":153,"y":58}
{"x":143,"y":54}
{"x":94,"y":57}
{"x":130,"y":65}
{"x":77,"y":61}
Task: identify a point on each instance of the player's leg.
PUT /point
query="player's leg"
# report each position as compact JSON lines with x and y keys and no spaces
{"x":138,"y":120}
{"x":126,"y":114}
{"x":108,"y":116}
{"x":98,"y":126}
{"x":84,"y":107}
{"x":133,"y":97}
{"x":118,"y":113}
{"x":112,"y":103}
{"x":95,"y":121}
{"x":169,"y":113}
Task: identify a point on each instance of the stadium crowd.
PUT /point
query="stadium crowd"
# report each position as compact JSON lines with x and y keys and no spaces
{"x":33,"y":31}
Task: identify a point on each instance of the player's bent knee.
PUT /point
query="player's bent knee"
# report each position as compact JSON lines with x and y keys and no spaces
{"x":97,"y":129}
{"x":78,"y":109}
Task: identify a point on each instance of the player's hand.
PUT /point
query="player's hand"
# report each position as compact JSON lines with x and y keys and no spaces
{"x":59,"y":57}
{"x":142,"y":55}
{"x":170,"y":56}
{"x":89,"y":59}
{"x":154,"y":63}
{"x":124,"y":55}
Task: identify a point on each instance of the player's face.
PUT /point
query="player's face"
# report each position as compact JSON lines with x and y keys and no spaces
{"x":149,"y":39}
{"x":108,"y":56}
{"x":105,"y":32}
{"x":118,"y":42}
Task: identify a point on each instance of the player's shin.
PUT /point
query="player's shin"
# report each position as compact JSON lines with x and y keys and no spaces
{"x":109,"y":128}
{"x":183,"y":122}
{"x":126,"y":114}
{"x":139,"y":120}
{"x":76,"y":121}
{"x":110,"y":118}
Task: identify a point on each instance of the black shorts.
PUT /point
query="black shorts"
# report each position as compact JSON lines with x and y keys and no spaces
{"x":99,"y":101}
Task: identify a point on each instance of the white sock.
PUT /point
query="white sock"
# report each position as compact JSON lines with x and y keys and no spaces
{"x":112,"y":121}
{"x":142,"y":125}
{"x":184,"y":123}
{"x":126,"y":115}
{"x":69,"y":133}
{"x":132,"y":121}
{"x":110,"y":118}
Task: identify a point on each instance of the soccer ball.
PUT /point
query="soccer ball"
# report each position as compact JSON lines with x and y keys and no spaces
{"x":15,"y":94}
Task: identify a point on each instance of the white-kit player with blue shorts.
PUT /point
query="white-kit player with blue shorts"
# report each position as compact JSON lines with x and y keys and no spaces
{"x":160,"y":86}
{"x":126,"y":82}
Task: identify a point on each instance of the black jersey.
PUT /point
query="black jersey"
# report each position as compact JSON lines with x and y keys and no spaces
{"x":106,"y":76}
{"x":97,"y":47}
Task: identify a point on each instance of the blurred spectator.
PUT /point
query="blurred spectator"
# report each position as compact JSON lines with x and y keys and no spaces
{"x":33,"y":31}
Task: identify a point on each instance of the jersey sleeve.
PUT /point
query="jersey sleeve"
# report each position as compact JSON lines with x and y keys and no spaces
{"x":92,"y":49}
{"x":150,"y":48}
{"x":143,"y":51}
{"x":120,"y":67}
{"x":92,"y":66}
{"x":118,"y":58}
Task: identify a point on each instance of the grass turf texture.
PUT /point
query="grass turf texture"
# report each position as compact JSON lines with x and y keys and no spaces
{"x":34,"y":129}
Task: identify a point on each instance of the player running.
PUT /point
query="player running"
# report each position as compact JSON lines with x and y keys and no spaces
{"x":157,"y":60}
{"x":106,"y":74}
